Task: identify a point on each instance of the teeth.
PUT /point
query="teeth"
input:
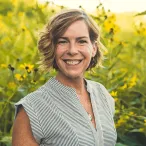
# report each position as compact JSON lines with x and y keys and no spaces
{"x":73,"y":62}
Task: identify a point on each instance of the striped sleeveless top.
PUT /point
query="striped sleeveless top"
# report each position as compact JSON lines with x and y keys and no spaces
{"x":57,"y":117}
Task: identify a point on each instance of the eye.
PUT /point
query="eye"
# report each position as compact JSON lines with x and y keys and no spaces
{"x":82,"y":42}
{"x":62,"y":42}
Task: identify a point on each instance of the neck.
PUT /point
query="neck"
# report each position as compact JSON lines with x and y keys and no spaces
{"x":77,"y":83}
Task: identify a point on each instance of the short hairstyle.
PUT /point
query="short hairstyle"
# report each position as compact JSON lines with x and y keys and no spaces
{"x":57,"y":27}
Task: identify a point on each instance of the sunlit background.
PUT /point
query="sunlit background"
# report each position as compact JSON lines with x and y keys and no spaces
{"x":113,"y":5}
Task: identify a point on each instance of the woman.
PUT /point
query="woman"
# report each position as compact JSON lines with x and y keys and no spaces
{"x":68,"y":110}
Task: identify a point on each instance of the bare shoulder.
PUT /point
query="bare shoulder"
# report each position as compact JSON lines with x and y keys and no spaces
{"x":22,"y":133}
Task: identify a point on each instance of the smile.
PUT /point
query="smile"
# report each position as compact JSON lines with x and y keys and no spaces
{"x":72,"y":62}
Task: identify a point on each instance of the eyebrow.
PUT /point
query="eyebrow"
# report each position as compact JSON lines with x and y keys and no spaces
{"x":78,"y":38}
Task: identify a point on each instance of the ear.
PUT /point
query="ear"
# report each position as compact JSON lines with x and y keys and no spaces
{"x":94,"y":49}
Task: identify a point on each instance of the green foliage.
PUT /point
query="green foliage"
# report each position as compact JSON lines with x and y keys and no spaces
{"x":142,"y":13}
{"x":123,"y":73}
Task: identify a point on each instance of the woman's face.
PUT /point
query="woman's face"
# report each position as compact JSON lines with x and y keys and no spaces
{"x":74,"y":51}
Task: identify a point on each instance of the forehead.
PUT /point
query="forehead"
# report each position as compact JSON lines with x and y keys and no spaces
{"x":77,"y":29}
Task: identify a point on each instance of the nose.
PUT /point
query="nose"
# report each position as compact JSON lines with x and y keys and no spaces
{"x":72,"y":50}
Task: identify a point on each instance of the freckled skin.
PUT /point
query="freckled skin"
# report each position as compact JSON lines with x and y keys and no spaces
{"x":73,"y":52}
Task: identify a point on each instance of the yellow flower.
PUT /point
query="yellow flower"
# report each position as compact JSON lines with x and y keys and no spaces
{"x":123,"y":87}
{"x":131,"y":84}
{"x":133,"y":81}
{"x":113,"y":17}
{"x":108,"y":25}
{"x":28,"y":67}
{"x":23,"y":27}
{"x":24,"y":76}
{"x":116,"y":99}
{"x":120,"y":122}
{"x":19,"y":77}
{"x":144,"y":32}
{"x":114,"y":93}
{"x":134,"y":78}
{"x":4,"y":66}
{"x":14,"y":2}
{"x":12,"y":85}
{"x":22,"y":66}
{"x":131,"y":113}
{"x":144,"y":122}
{"x":141,"y":129}
{"x":115,"y":39}
{"x":126,"y":117}
{"x":116,"y":29}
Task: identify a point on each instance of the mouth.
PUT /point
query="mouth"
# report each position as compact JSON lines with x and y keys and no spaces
{"x":72,"y":62}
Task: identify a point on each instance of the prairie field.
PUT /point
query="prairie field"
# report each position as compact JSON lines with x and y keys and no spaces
{"x":123,"y":72}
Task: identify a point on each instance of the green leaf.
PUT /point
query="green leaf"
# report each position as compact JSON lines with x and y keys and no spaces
{"x":142,"y":13}
{"x":7,"y":140}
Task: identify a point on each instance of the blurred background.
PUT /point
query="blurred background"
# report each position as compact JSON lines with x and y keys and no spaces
{"x":123,"y":28}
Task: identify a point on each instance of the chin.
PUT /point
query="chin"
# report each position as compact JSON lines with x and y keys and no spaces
{"x":74,"y":76}
{"x":71,"y":75}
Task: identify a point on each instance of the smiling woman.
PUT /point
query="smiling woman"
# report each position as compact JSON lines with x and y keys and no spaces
{"x":68,"y":110}
{"x":74,"y":51}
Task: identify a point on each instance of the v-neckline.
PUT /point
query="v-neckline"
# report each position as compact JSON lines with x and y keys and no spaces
{"x":95,"y":105}
{"x":80,"y":106}
{"x":97,"y":132}
{"x":86,"y":113}
{"x":83,"y":110}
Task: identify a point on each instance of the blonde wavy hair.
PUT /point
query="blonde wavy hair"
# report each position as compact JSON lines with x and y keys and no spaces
{"x":57,"y":27}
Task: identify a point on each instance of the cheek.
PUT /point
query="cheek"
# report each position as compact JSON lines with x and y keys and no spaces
{"x":87,"y":52}
{"x":58,"y":55}
{"x":60,"y":51}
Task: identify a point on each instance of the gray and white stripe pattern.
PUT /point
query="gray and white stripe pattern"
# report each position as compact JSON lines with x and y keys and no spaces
{"x":57,"y":117}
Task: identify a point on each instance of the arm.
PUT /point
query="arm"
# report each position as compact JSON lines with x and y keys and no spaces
{"x":22,"y":134}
